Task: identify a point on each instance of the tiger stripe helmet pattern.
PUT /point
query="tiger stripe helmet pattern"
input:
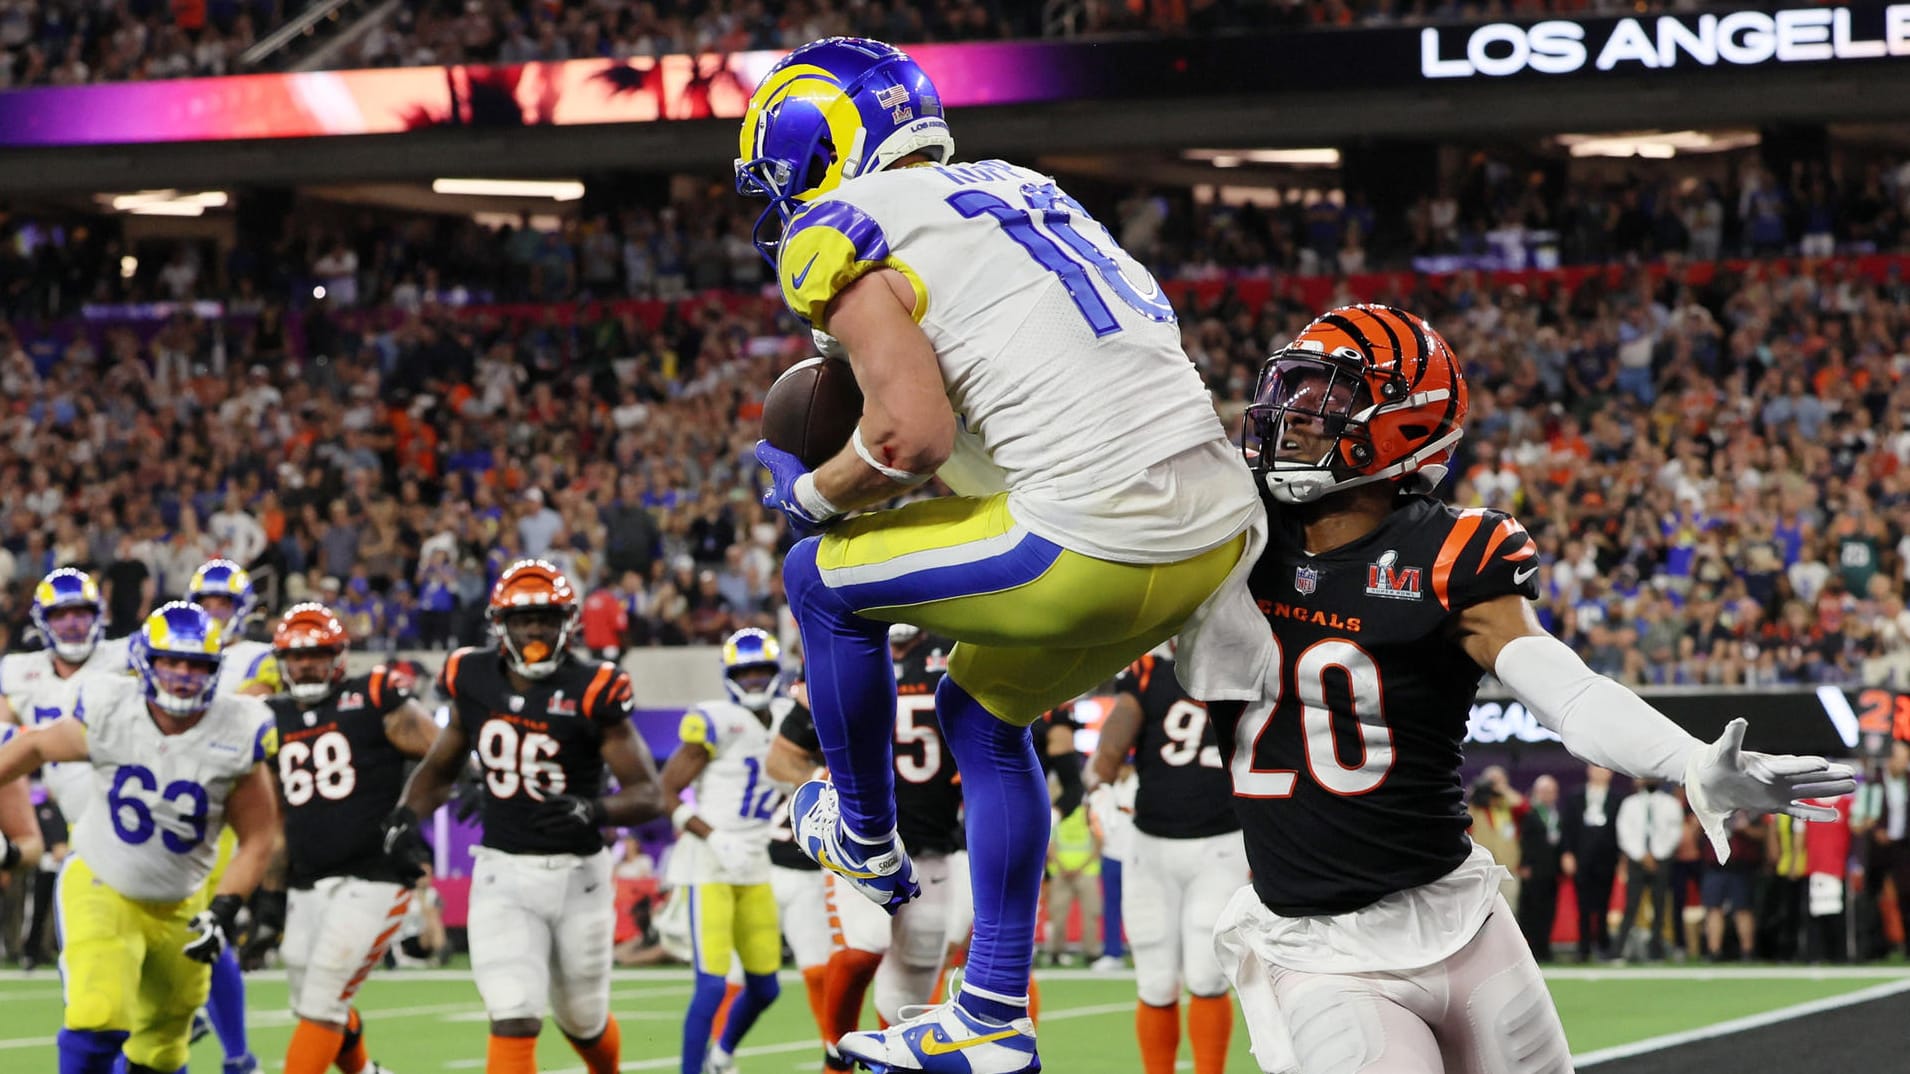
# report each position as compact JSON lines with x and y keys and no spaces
{"x":533,"y":586}
{"x":1384,"y":388}
{"x":311,"y":627}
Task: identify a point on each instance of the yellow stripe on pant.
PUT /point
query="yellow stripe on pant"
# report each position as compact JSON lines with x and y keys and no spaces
{"x":738,"y":918}
{"x":1036,"y":625}
{"x":124,"y":967}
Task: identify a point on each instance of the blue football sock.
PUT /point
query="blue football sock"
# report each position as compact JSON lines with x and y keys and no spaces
{"x":90,"y":1051}
{"x":1113,"y":940}
{"x":226,"y":1005}
{"x":759,"y":991}
{"x":705,"y":1001}
{"x":851,"y":692}
{"x":1006,"y":798}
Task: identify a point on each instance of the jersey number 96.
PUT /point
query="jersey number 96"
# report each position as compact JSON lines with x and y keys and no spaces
{"x":515,"y":761}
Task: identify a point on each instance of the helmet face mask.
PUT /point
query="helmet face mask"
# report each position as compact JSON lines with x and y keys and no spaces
{"x":829,"y":111}
{"x":224,"y":590}
{"x":177,"y":654}
{"x":752,"y":669}
{"x":533,"y":612}
{"x":1365,"y":394}
{"x":310,"y":645}
{"x":66,"y":610}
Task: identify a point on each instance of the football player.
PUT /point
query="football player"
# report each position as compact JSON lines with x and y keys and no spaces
{"x":802,"y":896}
{"x":1373,"y":925}
{"x":175,"y":762}
{"x":20,"y":842}
{"x":40,"y":687}
{"x":1185,"y":859}
{"x":224,"y":590}
{"x":543,"y":909}
{"x":723,"y":747}
{"x":343,"y":743}
{"x":901,"y":955}
{"x":982,"y":311}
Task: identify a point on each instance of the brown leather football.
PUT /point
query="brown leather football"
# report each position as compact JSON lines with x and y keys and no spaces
{"x":812,"y":409}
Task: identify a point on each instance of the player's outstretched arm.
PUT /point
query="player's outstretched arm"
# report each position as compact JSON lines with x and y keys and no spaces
{"x":252,"y":810}
{"x":639,"y":799}
{"x":908,"y":428}
{"x":681,"y":770}
{"x":63,"y":739}
{"x":411,"y":729}
{"x":1607,"y":724}
{"x":1118,"y":732}
{"x":20,"y":844}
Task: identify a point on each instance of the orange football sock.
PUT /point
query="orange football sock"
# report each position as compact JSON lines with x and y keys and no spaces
{"x":1210,"y":1029}
{"x":815,"y":981}
{"x":601,"y":1056}
{"x":351,"y":1053}
{"x":1034,"y":1001}
{"x":511,"y":1055}
{"x":850,"y":972}
{"x":730,"y":992}
{"x":1158,"y":1030}
{"x":313,"y":1048}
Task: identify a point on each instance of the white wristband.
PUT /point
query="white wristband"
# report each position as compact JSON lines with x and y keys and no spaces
{"x":900,"y":477}
{"x":680,"y":818}
{"x":812,"y":501}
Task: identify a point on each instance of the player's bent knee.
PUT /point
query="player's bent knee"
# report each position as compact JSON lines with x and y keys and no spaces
{"x":1157,"y":989}
{"x":516,"y":1027}
{"x":90,"y":1011}
{"x":762,"y":987}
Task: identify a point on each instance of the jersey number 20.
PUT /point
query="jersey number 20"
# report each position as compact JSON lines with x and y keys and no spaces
{"x":1046,"y":229}
{"x":1309,"y":673}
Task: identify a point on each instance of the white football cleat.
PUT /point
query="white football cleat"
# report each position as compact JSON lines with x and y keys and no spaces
{"x":882,"y":873}
{"x":944,"y":1039}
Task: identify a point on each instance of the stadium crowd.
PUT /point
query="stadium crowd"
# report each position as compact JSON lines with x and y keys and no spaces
{"x":68,"y":42}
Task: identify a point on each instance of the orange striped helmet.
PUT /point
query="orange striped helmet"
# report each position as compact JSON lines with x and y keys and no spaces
{"x":310,"y":627}
{"x":533,"y":612}
{"x":1365,"y":393}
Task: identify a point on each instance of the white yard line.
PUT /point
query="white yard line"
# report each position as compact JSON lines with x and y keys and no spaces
{"x":1739,"y":1025}
{"x":1727,"y":973}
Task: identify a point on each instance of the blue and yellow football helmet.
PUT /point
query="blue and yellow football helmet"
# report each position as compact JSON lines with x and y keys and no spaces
{"x":68,"y":588}
{"x":224,"y":578}
{"x":189,"y":632}
{"x":752,"y":668}
{"x":832,"y":110}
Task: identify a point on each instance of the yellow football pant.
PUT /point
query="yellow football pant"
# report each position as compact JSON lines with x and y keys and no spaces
{"x":124,"y":967}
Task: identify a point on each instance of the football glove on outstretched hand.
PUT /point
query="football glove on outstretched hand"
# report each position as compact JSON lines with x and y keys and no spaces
{"x":804,"y":511}
{"x":1725,"y":777}
{"x":211,"y":930}
{"x":405,"y":849}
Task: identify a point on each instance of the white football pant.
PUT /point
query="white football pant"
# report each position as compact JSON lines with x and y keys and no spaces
{"x":803,"y":912}
{"x":336,"y":933}
{"x":541,"y":929}
{"x":914,"y":942}
{"x":1172,"y":894}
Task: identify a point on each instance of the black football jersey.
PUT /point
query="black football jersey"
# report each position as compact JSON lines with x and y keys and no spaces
{"x":338,"y":778}
{"x":792,"y":721}
{"x":1348,"y":784}
{"x":928,"y":794}
{"x":1183,"y":791}
{"x":531,"y":745}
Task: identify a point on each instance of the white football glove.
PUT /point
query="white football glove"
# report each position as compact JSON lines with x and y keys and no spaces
{"x":736,"y":854}
{"x":1102,"y":806}
{"x":1724,"y":777}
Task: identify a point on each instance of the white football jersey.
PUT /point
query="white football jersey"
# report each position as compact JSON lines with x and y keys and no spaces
{"x":1061,"y":355}
{"x":246,"y":662}
{"x":734,"y":794}
{"x":39,"y":695}
{"x":155,"y":833}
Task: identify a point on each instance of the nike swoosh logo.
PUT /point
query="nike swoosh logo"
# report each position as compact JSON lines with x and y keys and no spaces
{"x":799,"y":277}
{"x":822,"y":859}
{"x":1519,"y":577}
{"x":934,"y":1045}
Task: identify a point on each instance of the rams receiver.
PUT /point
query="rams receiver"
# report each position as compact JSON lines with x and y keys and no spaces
{"x":40,"y":687}
{"x":1373,"y":925}
{"x":224,"y":590}
{"x":724,"y":866}
{"x":983,"y":312}
{"x":543,"y":909}
{"x":343,"y":744}
{"x":175,"y":763}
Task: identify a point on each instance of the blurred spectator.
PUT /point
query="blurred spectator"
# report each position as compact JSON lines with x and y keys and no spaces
{"x":1650,"y":822}
{"x":1731,"y":888}
{"x":1540,"y":833}
{"x":1881,"y":813}
{"x":1827,"y":847}
{"x":1588,"y":836}
{"x":1495,"y":811}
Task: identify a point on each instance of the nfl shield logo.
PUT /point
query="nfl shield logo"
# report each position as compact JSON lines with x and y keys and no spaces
{"x":1305,"y":580}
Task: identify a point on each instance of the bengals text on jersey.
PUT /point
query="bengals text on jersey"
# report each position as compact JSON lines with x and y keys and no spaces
{"x":1346,"y":772}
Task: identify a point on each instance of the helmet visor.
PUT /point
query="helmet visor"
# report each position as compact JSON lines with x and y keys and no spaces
{"x":1303,"y":410}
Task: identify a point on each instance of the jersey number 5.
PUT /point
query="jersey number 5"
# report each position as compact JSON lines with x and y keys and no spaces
{"x":1068,"y":253}
{"x":514,"y":762}
{"x":918,"y":738}
{"x":1375,"y":758}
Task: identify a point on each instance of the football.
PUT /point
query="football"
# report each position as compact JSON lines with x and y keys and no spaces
{"x":812,"y":409}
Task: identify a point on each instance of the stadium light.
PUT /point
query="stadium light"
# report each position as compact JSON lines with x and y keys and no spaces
{"x":1322,"y":157}
{"x":1655,"y":145}
{"x":166,"y":202}
{"x":554,"y":189}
